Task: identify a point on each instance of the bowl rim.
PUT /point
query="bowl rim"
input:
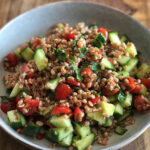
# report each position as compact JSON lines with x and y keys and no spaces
{"x":21,"y":139}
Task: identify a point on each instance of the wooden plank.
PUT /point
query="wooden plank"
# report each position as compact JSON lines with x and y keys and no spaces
{"x":139,"y":9}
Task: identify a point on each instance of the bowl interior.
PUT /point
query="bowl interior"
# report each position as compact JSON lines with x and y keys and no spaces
{"x":39,"y":20}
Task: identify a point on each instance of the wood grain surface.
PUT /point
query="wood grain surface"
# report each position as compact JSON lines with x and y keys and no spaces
{"x":139,"y":9}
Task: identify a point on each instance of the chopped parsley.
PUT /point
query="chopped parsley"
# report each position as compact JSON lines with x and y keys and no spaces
{"x":25,"y":90}
{"x":95,"y":67}
{"x":94,"y":27}
{"x":83,"y":52}
{"x":5,"y":99}
{"x":60,"y":54}
{"x":85,"y":65}
{"x":77,"y":72}
{"x":71,"y":58}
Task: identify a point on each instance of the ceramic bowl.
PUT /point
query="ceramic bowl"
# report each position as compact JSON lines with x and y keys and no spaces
{"x":37,"y":22}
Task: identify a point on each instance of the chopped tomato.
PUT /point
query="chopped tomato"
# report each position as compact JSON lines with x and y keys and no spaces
{"x":10,"y":105}
{"x":73,"y":82}
{"x":12,"y":59}
{"x":23,"y":47}
{"x":36,"y":43}
{"x":146,"y":82}
{"x":77,"y":113}
{"x":141,"y":104}
{"x":69,"y":36}
{"x":110,"y":93}
{"x":63,"y":91}
{"x":27,"y":70}
{"x":61,"y":110}
{"x":87,"y":71}
{"x":48,"y":124}
{"x":130,"y":84}
{"x":137,"y":89}
{"x":40,"y":136}
{"x":103,"y":31}
{"x":27,"y":106}
{"x":68,"y":52}
{"x":94,"y":100}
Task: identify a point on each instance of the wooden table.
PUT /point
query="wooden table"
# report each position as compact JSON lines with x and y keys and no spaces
{"x":139,"y":9}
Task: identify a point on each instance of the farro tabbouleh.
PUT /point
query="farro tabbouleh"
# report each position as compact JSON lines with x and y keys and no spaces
{"x":75,"y":86}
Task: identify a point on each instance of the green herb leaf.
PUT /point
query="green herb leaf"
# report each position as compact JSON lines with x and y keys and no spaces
{"x":52,"y":95}
{"x":54,"y":44}
{"x":60,"y":54}
{"x":121,"y":97}
{"x":5,"y":99}
{"x":85,"y":65}
{"x":95,"y":67}
{"x":74,"y":43}
{"x":94,"y":27}
{"x":26,"y":90}
{"x":71,"y":58}
{"x":77,"y":72}
{"x":83,"y":52}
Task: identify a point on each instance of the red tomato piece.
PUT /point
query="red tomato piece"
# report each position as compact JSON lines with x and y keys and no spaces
{"x":26,"y":69}
{"x":23,"y":47}
{"x":68,"y":52}
{"x":36,"y":43}
{"x":110,"y":93}
{"x":40,"y":136}
{"x":48,"y":124}
{"x":10,"y":105}
{"x":63,"y":91}
{"x":61,"y":110}
{"x":73,"y":82}
{"x":140,"y":104}
{"x":103,"y":31}
{"x":146,"y":82}
{"x":77,"y":112}
{"x":137,"y":89}
{"x":87,"y":71}
{"x":12,"y":59}
{"x":94,"y":100}
{"x":27,"y":106}
{"x":130,"y":84}
{"x":69,"y":36}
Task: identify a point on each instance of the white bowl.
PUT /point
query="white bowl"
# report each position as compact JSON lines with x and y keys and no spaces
{"x":37,"y":21}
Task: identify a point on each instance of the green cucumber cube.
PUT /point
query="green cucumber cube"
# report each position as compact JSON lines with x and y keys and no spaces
{"x":108,"y":109}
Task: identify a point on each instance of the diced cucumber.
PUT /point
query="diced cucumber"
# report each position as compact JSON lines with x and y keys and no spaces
{"x":128,"y":101}
{"x":97,"y":116}
{"x":60,"y":121}
{"x":81,"y":130}
{"x":23,"y":120}
{"x":52,"y":84}
{"x":114,"y":38}
{"x":32,"y":129}
{"x":40,"y":59}
{"x":123,"y":73}
{"x":123,"y":60}
{"x":14,"y":91}
{"x":131,"y":49}
{"x":143,"y":70}
{"x":67,"y":140}
{"x":124,"y":39}
{"x":118,"y":109}
{"x":120,"y":130}
{"x":100,"y":40}
{"x":58,"y":134}
{"x":131,"y":64}
{"x":143,"y":90}
{"x":113,"y":99}
{"x":18,"y":52}
{"x":27,"y":53}
{"x":83,"y":143}
{"x":108,"y":123}
{"x":125,"y":115}
{"x":107,"y":64}
{"x":108,"y":109}
{"x":14,"y":119}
